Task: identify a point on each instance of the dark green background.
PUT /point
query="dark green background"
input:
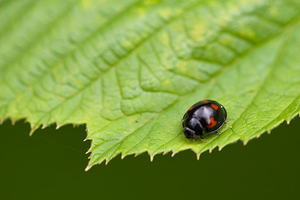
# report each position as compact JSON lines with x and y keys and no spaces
{"x":50,"y":165}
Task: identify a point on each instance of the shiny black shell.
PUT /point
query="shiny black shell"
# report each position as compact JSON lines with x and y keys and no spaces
{"x":206,"y":116}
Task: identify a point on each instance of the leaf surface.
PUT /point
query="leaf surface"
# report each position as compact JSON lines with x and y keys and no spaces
{"x":130,"y":69}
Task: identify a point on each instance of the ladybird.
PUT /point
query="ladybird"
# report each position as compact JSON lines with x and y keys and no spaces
{"x":206,"y":116}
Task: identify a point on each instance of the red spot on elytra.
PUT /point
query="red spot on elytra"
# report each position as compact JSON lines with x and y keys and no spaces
{"x":204,"y":101}
{"x":214,"y":106}
{"x":212,"y":123}
{"x":191,"y":108}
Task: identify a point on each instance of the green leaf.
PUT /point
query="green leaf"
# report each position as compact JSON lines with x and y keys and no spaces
{"x":130,"y":69}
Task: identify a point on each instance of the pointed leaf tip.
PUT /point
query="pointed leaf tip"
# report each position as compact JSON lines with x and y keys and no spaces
{"x":173,"y":153}
{"x":32,"y":131}
{"x":151,"y":158}
{"x":87,"y":168}
{"x":245,"y":142}
{"x":198,"y":156}
{"x":44,"y":126}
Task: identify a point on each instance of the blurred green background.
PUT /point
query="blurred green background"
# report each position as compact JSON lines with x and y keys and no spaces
{"x":50,"y":165}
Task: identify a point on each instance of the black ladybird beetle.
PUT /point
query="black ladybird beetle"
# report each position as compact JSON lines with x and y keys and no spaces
{"x":206,"y":116}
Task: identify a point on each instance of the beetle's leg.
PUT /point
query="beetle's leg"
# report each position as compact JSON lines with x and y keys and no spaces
{"x":189,"y":133}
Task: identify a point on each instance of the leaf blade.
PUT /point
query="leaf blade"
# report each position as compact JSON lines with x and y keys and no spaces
{"x":131,"y":73}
